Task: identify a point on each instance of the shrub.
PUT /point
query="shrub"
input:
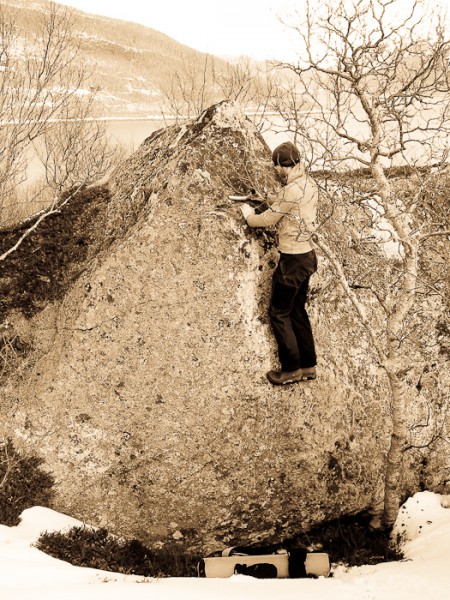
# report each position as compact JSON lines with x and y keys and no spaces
{"x":22,"y":483}
{"x":86,"y":547}
{"x":351,"y":540}
{"x":47,"y":262}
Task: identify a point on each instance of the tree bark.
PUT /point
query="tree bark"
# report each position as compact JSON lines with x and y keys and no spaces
{"x":394,"y":458}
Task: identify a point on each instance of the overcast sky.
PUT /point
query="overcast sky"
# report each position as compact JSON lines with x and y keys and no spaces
{"x":227,"y":28}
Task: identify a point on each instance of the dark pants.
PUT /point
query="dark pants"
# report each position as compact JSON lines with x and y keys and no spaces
{"x":289,"y":319}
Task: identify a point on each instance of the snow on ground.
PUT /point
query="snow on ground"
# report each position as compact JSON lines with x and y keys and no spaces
{"x":423,"y":522}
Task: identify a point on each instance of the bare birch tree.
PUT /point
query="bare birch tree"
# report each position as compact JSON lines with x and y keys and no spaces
{"x":203,"y":82}
{"x":44,"y":109}
{"x":189,"y":91}
{"x":377,"y":77}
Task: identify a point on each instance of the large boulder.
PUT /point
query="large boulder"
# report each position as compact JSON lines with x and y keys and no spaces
{"x":143,"y":381}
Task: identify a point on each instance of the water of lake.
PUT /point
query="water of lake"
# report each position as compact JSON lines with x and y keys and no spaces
{"x":131,"y":133}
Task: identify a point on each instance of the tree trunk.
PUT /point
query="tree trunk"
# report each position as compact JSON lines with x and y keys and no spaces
{"x":393,"y":474}
{"x":396,"y":363}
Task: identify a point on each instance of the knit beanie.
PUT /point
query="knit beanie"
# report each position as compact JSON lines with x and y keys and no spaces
{"x":286,"y":155}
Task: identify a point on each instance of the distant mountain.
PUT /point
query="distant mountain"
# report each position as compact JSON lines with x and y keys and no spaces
{"x":131,"y":63}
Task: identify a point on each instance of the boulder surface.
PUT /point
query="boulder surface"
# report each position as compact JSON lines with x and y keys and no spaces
{"x":143,"y":384}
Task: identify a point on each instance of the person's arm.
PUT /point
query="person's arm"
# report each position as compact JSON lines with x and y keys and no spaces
{"x":282,"y":204}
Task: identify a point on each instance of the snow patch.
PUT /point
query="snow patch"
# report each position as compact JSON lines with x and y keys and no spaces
{"x":231,"y":115}
{"x":183,"y":130}
{"x":146,"y":92}
{"x":37,"y":520}
{"x":424,"y":523}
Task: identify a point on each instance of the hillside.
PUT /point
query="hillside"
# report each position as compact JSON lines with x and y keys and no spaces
{"x":130,"y":63}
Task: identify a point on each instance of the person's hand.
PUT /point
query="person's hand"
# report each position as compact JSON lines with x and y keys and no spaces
{"x":247,"y":210}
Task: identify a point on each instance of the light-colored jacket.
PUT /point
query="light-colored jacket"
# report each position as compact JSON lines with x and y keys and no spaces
{"x":294,"y":208}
